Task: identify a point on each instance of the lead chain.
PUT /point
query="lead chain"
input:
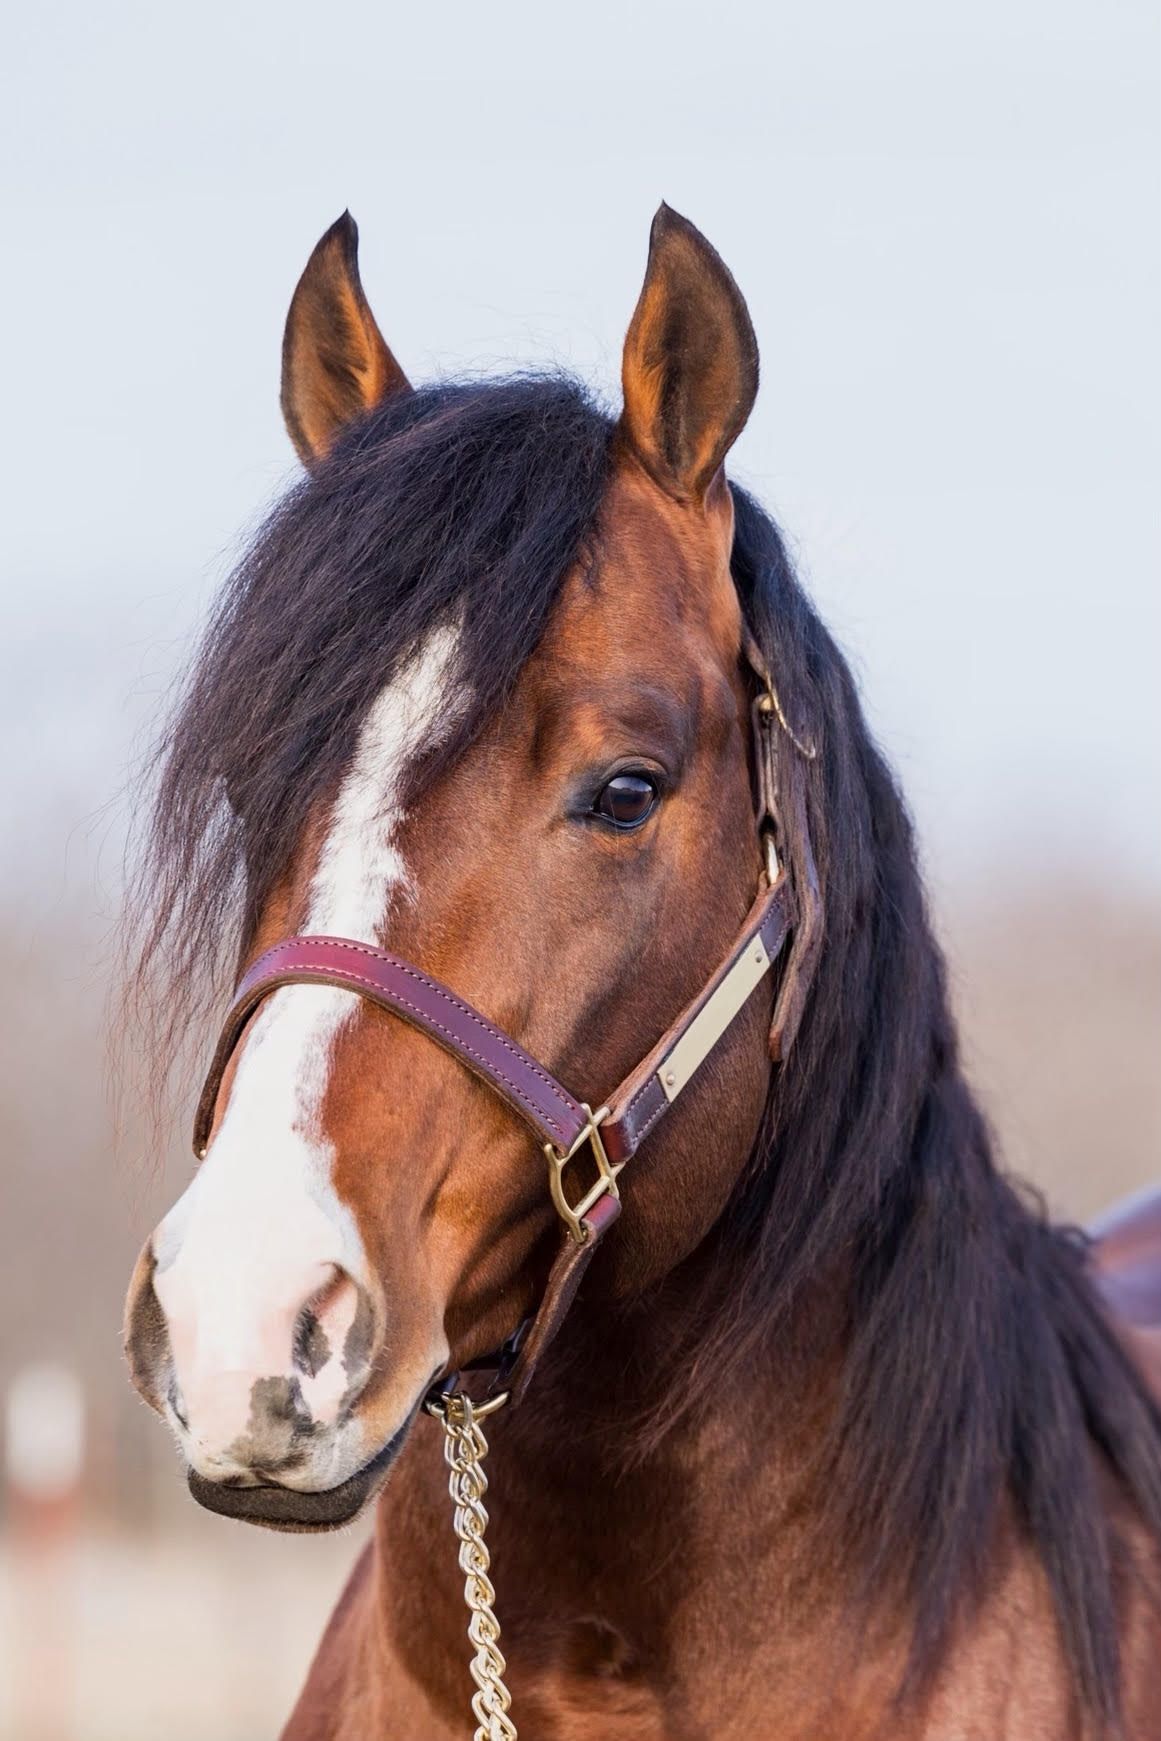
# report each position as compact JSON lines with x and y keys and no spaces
{"x":464,"y":1448}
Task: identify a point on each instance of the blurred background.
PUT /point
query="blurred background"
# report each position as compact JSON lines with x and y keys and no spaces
{"x":946,"y":221}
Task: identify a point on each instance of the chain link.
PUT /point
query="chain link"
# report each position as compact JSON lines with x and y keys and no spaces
{"x":464,"y":1448}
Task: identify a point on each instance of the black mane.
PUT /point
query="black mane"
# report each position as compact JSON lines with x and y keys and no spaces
{"x":980,"y":1368}
{"x":980,"y":1365}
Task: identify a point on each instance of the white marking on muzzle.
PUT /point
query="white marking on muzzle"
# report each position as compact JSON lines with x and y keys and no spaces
{"x":261,"y":1227}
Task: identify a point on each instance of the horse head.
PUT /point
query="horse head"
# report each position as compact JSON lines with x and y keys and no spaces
{"x":484,"y":699}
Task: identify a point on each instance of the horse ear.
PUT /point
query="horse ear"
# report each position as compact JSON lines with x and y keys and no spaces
{"x":690,"y":368}
{"x":335,"y":363}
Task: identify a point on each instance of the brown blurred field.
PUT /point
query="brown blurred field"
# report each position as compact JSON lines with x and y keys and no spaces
{"x":137,"y":1614}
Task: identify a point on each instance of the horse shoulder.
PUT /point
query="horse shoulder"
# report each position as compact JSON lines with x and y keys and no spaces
{"x":1140,"y":1632}
{"x":1007,"y":1677}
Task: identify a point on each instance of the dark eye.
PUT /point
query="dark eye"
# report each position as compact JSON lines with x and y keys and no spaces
{"x":626,"y":800}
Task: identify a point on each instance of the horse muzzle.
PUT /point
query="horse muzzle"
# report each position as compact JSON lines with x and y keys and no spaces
{"x":273,"y":1506}
{"x":274,"y":1415}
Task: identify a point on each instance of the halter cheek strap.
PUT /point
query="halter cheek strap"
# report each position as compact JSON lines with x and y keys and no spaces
{"x":783,"y":824}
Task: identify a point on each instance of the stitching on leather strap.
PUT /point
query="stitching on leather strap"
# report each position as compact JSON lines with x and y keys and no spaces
{"x":640,"y":1135}
{"x":327,"y":975}
{"x":434,"y":986}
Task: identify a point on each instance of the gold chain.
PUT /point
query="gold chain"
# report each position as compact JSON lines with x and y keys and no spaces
{"x":465,"y":1448}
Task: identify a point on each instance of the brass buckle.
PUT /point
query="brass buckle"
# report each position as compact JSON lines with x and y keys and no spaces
{"x":572,"y":1214}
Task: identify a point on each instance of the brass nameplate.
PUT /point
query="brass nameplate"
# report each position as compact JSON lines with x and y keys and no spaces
{"x":714,"y":1017}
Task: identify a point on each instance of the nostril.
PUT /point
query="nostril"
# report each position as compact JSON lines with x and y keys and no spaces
{"x":332,"y":1344}
{"x":147,"y":1345}
{"x":311,"y":1348}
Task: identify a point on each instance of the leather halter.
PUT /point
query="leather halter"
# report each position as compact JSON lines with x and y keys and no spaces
{"x":565,"y":1125}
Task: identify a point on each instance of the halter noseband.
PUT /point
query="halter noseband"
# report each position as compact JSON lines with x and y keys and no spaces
{"x":564,"y":1125}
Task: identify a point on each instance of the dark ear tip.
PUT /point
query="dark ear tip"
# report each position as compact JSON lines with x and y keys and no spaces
{"x":663,"y":222}
{"x":685,"y":240}
{"x":667,"y":222}
{"x":343,"y":234}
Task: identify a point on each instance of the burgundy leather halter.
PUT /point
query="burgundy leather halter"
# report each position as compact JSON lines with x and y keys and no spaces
{"x":788,"y":900}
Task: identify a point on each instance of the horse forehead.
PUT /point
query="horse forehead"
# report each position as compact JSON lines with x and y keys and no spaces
{"x":660,"y":593}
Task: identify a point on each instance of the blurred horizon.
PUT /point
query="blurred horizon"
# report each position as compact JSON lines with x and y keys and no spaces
{"x":948,"y":232}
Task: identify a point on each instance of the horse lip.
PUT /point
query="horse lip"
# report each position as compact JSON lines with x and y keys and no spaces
{"x":285,"y":1508}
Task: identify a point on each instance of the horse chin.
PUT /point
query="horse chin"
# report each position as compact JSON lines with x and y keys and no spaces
{"x":273,"y":1507}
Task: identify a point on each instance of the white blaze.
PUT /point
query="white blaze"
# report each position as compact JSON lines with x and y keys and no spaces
{"x":261,"y":1227}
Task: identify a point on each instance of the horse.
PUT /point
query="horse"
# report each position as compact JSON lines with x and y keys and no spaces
{"x":515,"y":765}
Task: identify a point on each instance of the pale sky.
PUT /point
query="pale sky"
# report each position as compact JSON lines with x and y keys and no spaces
{"x":945,"y":221}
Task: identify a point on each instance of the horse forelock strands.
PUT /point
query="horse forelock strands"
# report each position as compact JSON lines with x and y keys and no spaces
{"x":457,"y":504}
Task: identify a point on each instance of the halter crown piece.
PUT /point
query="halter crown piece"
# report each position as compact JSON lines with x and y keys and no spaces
{"x":788,"y":900}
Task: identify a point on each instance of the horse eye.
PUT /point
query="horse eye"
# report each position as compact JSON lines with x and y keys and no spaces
{"x":626,"y":800}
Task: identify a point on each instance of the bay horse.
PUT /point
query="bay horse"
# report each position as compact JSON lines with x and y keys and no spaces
{"x":515,"y":724}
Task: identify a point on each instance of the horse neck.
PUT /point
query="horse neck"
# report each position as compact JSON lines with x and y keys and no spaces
{"x":609,"y":1505}
{"x":584,"y":1494}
